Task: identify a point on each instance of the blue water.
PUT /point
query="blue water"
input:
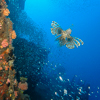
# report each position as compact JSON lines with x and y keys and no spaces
{"x":83,"y":61}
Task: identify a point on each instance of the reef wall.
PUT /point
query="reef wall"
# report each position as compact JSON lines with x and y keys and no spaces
{"x":10,"y":89}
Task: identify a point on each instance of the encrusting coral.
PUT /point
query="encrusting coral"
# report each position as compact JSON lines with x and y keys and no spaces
{"x":23,"y":84}
{"x":9,"y":89}
{"x":64,"y":37}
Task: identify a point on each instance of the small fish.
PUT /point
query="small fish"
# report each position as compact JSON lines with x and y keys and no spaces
{"x":61,"y":79}
{"x":56,"y":94}
{"x":88,"y":87}
{"x":65,"y":92}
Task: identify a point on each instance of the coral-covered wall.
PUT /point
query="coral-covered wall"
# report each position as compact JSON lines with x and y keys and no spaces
{"x":10,"y":89}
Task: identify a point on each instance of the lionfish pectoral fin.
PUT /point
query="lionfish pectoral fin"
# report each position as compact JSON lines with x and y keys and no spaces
{"x":61,"y":41}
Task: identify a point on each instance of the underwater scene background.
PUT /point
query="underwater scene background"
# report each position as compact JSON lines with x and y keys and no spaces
{"x":56,"y":72}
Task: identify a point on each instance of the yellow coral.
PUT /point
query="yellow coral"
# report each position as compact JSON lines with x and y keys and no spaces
{"x":13,"y":34}
{"x":64,"y":36}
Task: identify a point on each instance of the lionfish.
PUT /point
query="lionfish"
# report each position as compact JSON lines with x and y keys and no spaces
{"x":64,"y":37}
